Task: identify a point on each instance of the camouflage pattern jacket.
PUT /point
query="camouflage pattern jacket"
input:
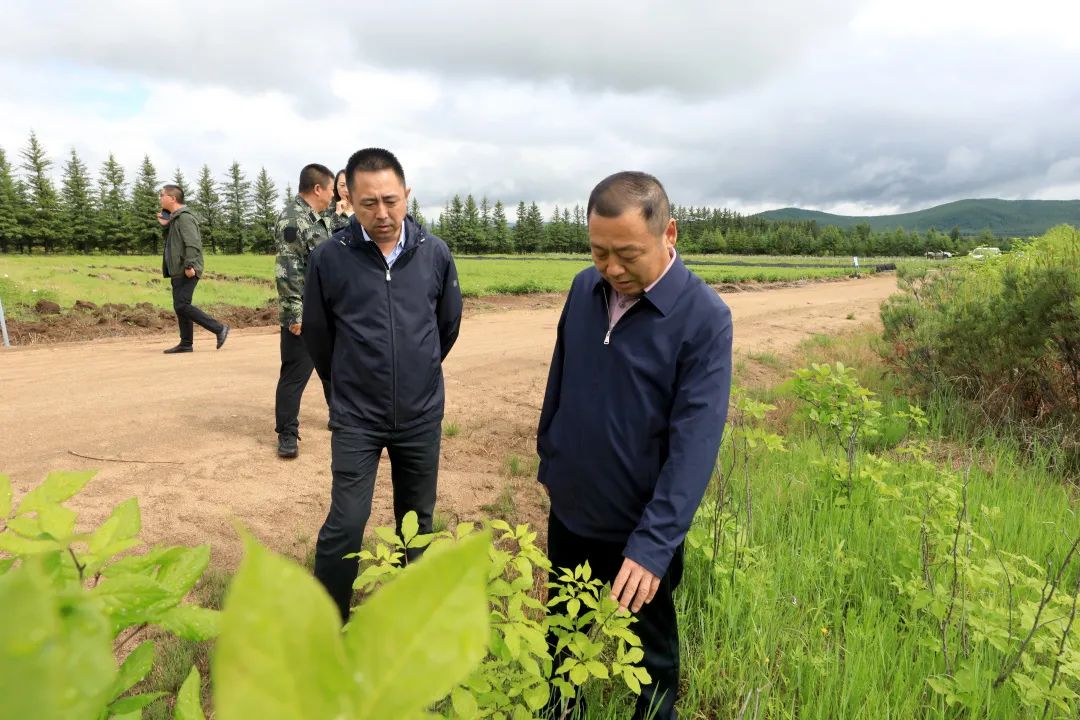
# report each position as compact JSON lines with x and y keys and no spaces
{"x":299,"y":230}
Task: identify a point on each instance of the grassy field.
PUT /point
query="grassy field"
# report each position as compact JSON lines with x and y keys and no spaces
{"x":246,"y":280}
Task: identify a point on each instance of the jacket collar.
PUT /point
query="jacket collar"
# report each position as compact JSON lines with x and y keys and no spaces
{"x":666,"y":292}
{"x":414,"y":233}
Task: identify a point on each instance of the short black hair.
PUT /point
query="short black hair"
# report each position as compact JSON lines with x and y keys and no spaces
{"x":175,"y":192}
{"x":628,"y":189}
{"x":312,"y":175}
{"x":337,"y":196}
{"x":372,"y":160}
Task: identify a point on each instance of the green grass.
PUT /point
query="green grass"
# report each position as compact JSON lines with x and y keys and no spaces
{"x":816,"y":629}
{"x":451,"y":429}
{"x":247,"y":280}
{"x":503,"y":507}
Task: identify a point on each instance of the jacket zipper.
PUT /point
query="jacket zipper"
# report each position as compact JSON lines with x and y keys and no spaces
{"x":393,"y":328}
{"x":610,"y":325}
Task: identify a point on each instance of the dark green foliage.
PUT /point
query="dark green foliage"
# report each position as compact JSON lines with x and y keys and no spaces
{"x":145,"y":206}
{"x":1003,"y":333}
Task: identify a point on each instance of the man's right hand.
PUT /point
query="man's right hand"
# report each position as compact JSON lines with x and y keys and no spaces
{"x":295,"y":328}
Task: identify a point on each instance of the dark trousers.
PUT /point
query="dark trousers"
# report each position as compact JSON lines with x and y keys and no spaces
{"x":656,"y":622}
{"x":187,"y":315}
{"x":296,"y":367}
{"x":354,"y":453}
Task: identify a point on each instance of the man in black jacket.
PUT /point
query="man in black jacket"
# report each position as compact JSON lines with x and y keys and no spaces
{"x":382,"y":308}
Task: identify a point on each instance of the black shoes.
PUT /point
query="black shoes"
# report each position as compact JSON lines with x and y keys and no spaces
{"x":222,"y":335}
{"x":179,"y":349}
{"x":287,"y":445}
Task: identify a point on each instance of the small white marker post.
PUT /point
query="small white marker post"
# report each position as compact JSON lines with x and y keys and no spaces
{"x":3,"y":325}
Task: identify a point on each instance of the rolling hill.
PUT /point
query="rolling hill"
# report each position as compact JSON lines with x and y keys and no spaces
{"x":1011,"y":218}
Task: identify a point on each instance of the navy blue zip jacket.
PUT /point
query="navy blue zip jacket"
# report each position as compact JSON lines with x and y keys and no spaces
{"x":380,"y":334}
{"x":632,"y":422}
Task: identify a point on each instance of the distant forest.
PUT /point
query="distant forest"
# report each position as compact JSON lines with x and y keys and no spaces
{"x":107,"y":214}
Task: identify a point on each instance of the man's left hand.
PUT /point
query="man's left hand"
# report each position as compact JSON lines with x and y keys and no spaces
{"x":634,"y":586}
{"x":189,"y":272}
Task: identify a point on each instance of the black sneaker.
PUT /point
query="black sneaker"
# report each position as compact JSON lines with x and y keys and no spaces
{"x":222,"y":335}
{"x":288,"y":445}
{"x":178,"y":349}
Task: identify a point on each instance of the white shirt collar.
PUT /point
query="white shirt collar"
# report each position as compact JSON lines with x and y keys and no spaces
{"x":400,"y":242}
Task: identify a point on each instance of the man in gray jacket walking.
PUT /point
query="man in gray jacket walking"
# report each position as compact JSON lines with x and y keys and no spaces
{"x":182,"y":261}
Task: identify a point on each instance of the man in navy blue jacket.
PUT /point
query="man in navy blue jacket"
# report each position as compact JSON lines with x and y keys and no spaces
{"x":636,"y":401}
{"x":382,"y":308}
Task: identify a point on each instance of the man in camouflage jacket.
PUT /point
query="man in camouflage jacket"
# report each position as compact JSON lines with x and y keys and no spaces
{"x":305,"y":223}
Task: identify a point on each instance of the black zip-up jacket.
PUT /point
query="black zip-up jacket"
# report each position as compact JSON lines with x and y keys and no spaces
{"x":380,"y":334}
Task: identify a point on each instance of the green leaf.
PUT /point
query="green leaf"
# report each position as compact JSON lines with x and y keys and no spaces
{"x":12,"y":543}
{"x":188,"y":701}
{"x":431,"y":622}
{"x":464,"y":703}
{"x":133,"y":599}
{"x":5,"y":496}
{"x":123,"y":524}
{"x":57,"y":487}
{"x":191,"y":622}
{"x":280,"y":654}
{"x":579,"y":674}
{"x":537,"y":696}
{"x":56,"y":659}
{"x":134,"y":669}
{"x":410,"y":526}
{"x":133,"y":704}
{"x":29,"y":526}
{"x":184,"y":571}
{"x":388,"y":536}
{"x":597,"y":669}
{"x":57,"y":521}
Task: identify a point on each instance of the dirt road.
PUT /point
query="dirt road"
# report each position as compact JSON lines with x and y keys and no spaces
{"x":211,"y":415}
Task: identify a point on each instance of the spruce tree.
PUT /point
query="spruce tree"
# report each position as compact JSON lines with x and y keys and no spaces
{"x":146,"y":230}
{"x":181,"y":182}
{"x":207,"y":205}
{"x":10,"y":210}
{"x":114,"y":209}
{"x":45,"y":222}
{"x":414,"y":210}
{"x":485,"y":225}
{"x":264,"y":221}
{"x":470,"y":226}
{"x":236,"y":191}
{"x":500,"y":230}
{"x":77,"y":205}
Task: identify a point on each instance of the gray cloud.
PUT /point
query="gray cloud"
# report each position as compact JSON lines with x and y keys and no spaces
{"x":751,"y":105}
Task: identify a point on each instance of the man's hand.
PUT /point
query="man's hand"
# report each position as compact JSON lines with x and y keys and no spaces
{"x":634,"y":586}
{"x":189,"y":272}
{"x":295,"y":328}
{"x":163,"y":221}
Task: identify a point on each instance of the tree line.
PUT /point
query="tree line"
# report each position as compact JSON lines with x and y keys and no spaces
{"x":108,"y":214}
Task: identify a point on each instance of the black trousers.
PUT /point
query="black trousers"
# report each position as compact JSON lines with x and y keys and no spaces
{"x":355,"y":452}
{"x":296,"y":368}
{"x":656,"y":624}
{"x":187,"y":315}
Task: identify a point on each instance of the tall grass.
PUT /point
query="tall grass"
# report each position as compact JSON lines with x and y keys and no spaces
{"x":815,"y":626}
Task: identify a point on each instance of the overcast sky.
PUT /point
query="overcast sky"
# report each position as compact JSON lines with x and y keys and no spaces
{"x":840,"y":105}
